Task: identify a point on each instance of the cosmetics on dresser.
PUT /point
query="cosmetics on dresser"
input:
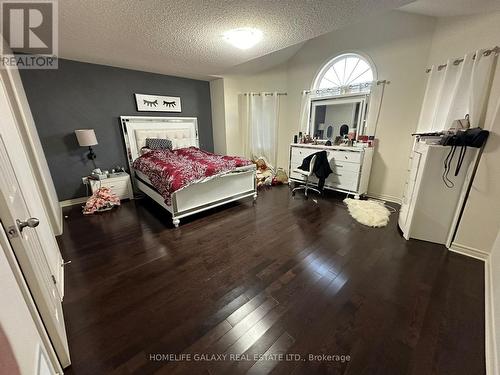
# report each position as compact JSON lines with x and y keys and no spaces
{"x":371,"y":141}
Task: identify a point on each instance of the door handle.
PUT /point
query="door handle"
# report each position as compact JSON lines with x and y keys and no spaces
{"x":32,"y":222}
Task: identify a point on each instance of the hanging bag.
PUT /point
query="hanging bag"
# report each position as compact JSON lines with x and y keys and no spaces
{"x":460,"y":124}
{"x":475,"y":137}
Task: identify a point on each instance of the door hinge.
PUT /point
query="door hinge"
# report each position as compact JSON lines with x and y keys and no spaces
{"x":54,"y":279}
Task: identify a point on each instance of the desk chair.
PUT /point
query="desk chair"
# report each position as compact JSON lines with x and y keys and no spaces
{"x":306,"y":174}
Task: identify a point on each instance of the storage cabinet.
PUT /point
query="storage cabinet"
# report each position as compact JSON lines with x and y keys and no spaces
{"x":430,"y":210}
{"x":350,"y":165}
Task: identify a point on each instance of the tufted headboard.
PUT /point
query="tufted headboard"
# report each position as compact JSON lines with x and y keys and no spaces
{"x":182,"y":131}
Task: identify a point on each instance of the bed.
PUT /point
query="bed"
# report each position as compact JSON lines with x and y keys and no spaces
{"x":237,"y":184}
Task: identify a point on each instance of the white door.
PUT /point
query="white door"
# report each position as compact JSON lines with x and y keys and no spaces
{"x":26,"y":348}
{"x":36,"y":249}
{"x":12,"y":108}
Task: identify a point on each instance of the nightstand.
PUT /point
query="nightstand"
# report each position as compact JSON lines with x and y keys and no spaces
{"x":119,"y":184}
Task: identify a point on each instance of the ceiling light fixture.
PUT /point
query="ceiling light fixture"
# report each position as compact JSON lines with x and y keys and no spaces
{"x":243,"y":38}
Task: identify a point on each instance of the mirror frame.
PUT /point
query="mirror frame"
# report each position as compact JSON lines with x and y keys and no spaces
{"x":320,"y":101}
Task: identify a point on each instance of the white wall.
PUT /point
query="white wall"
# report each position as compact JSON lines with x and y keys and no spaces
{"x":218,"y":115}
{"x":456,"y":36}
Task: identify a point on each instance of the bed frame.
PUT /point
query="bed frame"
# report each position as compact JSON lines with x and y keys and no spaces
{"x":183,"y":131}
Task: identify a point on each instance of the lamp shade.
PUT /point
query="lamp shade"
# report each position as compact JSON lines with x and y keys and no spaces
{"x":86,"y":137}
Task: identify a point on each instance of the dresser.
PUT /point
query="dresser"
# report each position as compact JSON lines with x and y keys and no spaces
{"x":350,"y":165}
{"x":430,"y":210}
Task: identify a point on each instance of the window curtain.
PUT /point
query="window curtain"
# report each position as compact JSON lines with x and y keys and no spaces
{"x":374,"y":108}
{"x":259,"y":120}
{"x":305,"y":112}
{"x":455,"y":91}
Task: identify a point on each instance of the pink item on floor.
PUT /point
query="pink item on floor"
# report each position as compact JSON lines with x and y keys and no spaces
{"x":102,"y":200}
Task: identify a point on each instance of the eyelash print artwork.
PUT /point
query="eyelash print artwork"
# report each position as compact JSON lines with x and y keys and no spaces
{"x":150,"y":103}
{"x":157,"y":103}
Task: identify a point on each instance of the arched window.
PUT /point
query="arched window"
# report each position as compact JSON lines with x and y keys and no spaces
{"x":345,"y":70}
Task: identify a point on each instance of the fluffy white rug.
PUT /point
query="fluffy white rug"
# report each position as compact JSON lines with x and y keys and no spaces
{"x":369,"y":212}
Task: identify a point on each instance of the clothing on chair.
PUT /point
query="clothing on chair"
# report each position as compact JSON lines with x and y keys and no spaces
{"x":321,"y":167}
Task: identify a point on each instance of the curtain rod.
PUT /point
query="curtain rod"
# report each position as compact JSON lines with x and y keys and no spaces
{"x":378,"y":83}
{"x":495,"y":50}
{"x":265,"y":93}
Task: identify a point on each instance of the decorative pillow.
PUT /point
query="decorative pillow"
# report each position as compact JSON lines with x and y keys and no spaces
{"x":158,"y":143}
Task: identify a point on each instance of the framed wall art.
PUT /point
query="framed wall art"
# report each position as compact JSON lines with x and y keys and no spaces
{"x":157,"y":103}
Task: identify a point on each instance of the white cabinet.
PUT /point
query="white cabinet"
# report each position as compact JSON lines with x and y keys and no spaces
{"x":430,"y":210}
{"x":350,"y":165}
{"x":119,"y":185}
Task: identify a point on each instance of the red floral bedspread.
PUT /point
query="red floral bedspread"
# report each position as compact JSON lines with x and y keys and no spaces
{"x":172,"y":170}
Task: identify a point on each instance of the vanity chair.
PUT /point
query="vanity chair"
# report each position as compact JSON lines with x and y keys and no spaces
{"x":306,"y":187}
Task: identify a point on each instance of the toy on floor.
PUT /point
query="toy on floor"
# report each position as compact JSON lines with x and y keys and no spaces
{"x":102,"y":200}
{"x":267,"y":176}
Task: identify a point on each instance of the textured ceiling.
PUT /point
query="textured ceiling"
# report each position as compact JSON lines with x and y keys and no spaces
{"x":449,"y":8}
{"x":184,"y":37}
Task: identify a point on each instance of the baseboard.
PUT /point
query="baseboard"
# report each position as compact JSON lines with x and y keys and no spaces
{"x":490,"y":323}
{"x":72,"y":202}
{"x":468,"y":251}
{"x":385,"y":197}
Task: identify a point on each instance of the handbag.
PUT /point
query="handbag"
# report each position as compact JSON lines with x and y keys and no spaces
{"x":460,"y":124}
{"x":475,"y":137}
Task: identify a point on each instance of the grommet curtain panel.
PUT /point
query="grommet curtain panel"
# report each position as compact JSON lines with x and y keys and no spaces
{"x":305,"y":112}
{"x":374,"y":108}
{"x":259,"y":120}
{"x":455,"y":91}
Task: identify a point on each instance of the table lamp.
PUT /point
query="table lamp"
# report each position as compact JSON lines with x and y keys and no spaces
{"x":87,"y":138}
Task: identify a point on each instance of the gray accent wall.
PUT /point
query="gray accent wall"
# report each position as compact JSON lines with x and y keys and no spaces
{"x":81,"y":95}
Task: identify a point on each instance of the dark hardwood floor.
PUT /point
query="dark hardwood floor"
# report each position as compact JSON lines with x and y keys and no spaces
{"x":284,"y":277}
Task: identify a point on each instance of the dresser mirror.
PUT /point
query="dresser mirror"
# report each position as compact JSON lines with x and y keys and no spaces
{"x":334,"y":117}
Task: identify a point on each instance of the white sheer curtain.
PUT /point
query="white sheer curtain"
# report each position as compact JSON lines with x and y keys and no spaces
{"x":455,"y":91}
{"x":305,"y":108}
{"x":374,"y":108}
{"x":259,"y":120}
